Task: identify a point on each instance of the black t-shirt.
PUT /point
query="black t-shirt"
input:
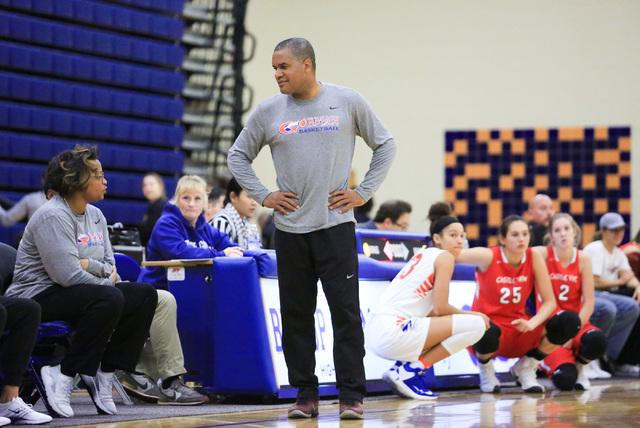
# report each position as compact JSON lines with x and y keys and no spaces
{"x":537,"y":234}
{"x":154,"y":211}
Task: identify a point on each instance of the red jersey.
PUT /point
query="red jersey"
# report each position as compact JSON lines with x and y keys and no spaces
{"x":502,"y":290}
{"x":566,"y":282}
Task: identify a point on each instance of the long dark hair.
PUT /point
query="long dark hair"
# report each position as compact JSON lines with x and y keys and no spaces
{"x":232,"y":187}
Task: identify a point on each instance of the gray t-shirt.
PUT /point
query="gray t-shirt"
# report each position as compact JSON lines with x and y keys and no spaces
{"x":24,"y":209}
{"x":48,"y":252}
{"x":312,"y":144}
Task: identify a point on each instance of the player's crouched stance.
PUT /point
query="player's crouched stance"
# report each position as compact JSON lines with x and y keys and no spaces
{"x":413,"y":322}
{"x":505,"y":276}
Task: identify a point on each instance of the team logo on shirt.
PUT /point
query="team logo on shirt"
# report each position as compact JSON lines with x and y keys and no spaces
{"x":91,"y":239}
{"x":553,"y":276}
{"x":199,"y":244}
{"x":310,"y":124}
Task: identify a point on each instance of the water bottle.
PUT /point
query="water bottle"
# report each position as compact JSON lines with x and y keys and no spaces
{"x":254,"y":242}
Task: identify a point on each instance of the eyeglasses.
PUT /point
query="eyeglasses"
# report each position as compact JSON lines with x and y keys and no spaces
{"x":402,"y":226}
{"x":99,"y":176}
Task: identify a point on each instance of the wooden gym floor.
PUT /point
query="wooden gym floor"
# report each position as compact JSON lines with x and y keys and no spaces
{"x":609,"y":403}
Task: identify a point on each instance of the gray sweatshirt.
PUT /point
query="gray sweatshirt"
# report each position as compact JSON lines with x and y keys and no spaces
{"x":312,"y":144}
{"x":48,"y":251}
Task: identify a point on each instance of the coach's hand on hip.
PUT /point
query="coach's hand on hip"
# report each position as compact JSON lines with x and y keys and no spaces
{"x":281,"y":201}
{"x":349,"y":198}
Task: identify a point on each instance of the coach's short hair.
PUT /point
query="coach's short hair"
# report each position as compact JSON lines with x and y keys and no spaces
{"x":300,"y":48}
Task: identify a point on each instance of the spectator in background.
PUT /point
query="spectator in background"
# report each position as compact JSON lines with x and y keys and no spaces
{"x":632,"y":250}
{"x":617,"y":287}
{"x":215,"y":203}
{"x":233,"y":219}
{"x":111,"y":318}
{"x":6,"y":203}
{"x":23,"y":210}
{"x":267,"y":231}
{"x":182,"y":233}
{"x":153,"y":189}
{"x":361,"y":213}
{"x":392,"y":215}
{"x":538,"y":215}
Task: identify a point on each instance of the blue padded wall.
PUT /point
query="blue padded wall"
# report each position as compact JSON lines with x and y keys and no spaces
{"x":102,"y":72}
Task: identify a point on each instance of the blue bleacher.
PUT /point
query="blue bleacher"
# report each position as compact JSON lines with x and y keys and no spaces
{"x":86,"y":68}
{"x":171,"y":6}
{"x":65,"y":36}
{"x":112,"y":156}
{"x":104,"y":15}
{"x":88,"y":97}
{"x":22,"y":176}
{"x":100,"y":72}
{"x":89,"y":125}
{"x":126,"y":212}
{"x":11,"y":235}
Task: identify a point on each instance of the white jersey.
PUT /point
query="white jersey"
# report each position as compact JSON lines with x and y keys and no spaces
{"x":410,"y":292}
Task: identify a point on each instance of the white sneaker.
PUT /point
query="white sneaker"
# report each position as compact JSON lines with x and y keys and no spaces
{"x":19,"y":412}
{"x":4,"y":421}
{"x":58,"y":388}
{"x":595,"y":372}
{"x":524,"y":372}
{"x":582,"y":382}
{"x":100,"y":389}
{"x":488,"y":380}
{"x":627,"y":370}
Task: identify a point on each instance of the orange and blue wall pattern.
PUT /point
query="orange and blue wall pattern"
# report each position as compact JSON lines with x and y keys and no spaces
{"x":490,"y":174}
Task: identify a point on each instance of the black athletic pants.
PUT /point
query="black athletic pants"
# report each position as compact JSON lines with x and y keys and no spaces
{"x":331,"y":256}
{"x":111,"y":323}
{"x":20,"y":319}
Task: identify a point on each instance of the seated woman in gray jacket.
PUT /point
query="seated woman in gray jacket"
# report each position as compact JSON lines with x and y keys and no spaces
{"x":111,"y":318}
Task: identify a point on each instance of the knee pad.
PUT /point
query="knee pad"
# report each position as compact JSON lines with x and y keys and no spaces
{"x":466,"y":329}
{"x":490,"y":341}
{"x":592,"y":345}
{"x":563,"y":326}
{"x":565,"y":376}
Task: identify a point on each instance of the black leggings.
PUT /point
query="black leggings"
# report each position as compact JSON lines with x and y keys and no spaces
{"x":111,"y":323}
{"x":20,"y":318}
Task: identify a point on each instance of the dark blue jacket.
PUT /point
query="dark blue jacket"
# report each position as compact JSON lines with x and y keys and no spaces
{"x":173,"y":237}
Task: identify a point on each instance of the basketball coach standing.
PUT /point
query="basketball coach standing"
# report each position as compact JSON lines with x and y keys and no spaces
{"x":310,"y":128}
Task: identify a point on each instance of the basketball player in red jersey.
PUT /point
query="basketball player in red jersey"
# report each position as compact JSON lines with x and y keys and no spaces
{"x":505,"y":277}
{"x":572,"y":281}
